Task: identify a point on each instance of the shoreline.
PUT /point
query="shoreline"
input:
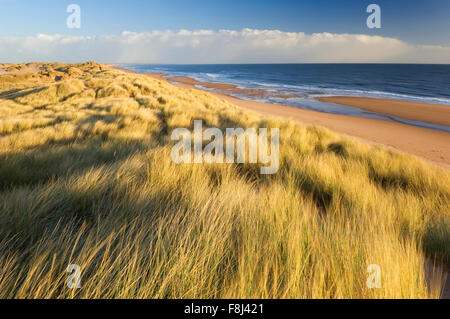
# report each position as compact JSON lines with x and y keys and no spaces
{"x":230,"y":88}
{"x":430,"y":145}
{"x":424,"y":115}
{"x":416,"y":111}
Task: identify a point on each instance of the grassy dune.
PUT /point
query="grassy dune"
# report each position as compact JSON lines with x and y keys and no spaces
{"x":86,"y":178}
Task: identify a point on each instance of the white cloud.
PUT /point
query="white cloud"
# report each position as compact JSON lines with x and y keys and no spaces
{"x":225,"y":46}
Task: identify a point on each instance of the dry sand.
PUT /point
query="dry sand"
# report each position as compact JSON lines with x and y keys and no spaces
{"x":431,"y":145}
{"x":23,"y":70}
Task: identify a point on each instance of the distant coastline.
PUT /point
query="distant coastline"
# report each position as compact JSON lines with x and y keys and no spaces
{"x":307,"y":91}
{"x":429,"y":144}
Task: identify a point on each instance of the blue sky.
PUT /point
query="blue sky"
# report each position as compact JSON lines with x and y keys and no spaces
{"x":415,"y":22}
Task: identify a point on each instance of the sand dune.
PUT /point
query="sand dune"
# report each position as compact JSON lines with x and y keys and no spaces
{"x":87,"y":177}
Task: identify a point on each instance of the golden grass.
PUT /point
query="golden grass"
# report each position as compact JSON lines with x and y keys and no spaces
{"x":86,"y":178}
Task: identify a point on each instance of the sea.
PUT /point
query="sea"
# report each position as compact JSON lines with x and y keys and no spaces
{"x":303,"y":83}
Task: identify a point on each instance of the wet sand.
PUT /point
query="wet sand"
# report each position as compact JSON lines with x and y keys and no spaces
{"x":231,"y":88}
{"x":430,"y":113}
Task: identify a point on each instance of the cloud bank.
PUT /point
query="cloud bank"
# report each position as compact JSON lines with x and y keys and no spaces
{"x":225,"y":46}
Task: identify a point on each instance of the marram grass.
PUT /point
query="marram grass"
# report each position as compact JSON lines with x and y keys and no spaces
{"x":86,"y":178}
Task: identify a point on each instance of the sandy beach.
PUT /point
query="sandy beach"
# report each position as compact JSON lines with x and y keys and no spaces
{"x":431,"y":145}
{"x":430,"y":113}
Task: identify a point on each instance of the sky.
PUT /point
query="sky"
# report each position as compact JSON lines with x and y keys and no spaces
{"x":212,"y":31}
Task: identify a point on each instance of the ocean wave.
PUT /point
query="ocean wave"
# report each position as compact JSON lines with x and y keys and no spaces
{"x":213,"y":75}
{"x":318,"y":91}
